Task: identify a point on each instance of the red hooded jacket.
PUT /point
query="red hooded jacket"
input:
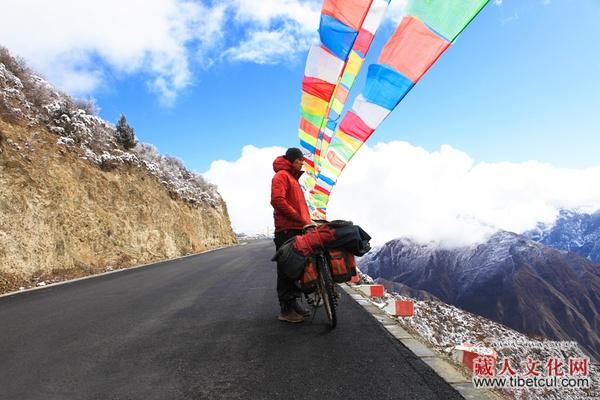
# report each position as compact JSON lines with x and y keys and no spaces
{"x":287,"y":198}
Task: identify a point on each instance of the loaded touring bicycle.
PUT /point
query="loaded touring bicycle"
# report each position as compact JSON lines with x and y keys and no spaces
{"x":321,"y":257}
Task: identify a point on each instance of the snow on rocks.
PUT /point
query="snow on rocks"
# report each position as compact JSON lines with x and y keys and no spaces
{"x":65,"y":141}
{"x":27,"y":97}
{"x":11,"y":94}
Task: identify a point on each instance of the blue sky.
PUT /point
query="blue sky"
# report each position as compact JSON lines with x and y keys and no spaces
{"x":521,"y":83}
{"x":201,"y":80}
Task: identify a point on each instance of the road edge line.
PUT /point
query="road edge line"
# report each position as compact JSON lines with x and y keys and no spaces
{"x":134,"y":267}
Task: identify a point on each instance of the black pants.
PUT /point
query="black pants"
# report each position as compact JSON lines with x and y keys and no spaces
{"x":287,"y":289}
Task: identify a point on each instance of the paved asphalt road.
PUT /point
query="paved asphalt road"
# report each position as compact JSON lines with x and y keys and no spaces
{"x":202,"y":327}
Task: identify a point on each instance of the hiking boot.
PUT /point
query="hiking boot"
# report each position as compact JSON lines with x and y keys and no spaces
{"x":299,"y":309}
{"x":289,"y":315}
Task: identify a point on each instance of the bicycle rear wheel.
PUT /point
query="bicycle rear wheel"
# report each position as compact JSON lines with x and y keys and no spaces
{"x":325,"y":284}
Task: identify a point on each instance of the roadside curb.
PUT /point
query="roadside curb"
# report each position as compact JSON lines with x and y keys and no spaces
{"x":438,"y":362}
{"x":83,"y":278}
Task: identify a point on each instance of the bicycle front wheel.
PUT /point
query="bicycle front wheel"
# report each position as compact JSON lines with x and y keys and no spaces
{"x":325,"y":283}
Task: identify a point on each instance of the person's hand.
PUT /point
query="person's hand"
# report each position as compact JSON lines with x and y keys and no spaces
{"x":309,"y":227}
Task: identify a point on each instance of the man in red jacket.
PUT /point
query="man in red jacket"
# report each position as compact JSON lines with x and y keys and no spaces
{"x":291,"y":215}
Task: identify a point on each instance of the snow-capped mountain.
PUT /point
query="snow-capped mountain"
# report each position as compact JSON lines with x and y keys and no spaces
{"x":572,"y":231}
{"x":510,"y":279}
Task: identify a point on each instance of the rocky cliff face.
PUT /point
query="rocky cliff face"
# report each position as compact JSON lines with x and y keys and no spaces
{"x":73,"y":203}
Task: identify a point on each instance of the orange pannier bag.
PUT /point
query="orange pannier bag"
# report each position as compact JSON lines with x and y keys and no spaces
{"x":343,"y":265}
{"x":308,"y":282}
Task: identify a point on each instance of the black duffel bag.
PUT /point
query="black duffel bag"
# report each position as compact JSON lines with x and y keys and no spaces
{"x":289,"y":261}
{"x":350,"y":237}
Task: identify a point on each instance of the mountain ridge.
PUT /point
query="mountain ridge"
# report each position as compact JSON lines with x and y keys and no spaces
{"x":509,"y":279}
{"x":572,"y":231}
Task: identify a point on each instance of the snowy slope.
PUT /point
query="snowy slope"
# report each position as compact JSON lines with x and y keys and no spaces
{"x":27,"y":99}
{"x":443,"y":327}
{"x":572,"y":231}
{"x":509,"y":279}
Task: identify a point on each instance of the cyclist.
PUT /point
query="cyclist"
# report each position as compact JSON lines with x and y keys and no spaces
{"x":290,"y":215}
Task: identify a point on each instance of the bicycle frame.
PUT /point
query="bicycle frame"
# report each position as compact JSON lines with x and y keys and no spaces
{"x":325,"y":288}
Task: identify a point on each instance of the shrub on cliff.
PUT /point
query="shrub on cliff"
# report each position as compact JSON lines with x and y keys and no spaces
{"x":183,"y":183}
{"x":125,"y":135}
{"x":33,"y":87}
{"x":88,"y":105}
{"x":16,"y":65}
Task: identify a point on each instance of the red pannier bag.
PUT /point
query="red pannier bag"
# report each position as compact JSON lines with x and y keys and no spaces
{"x":343,"y":265}
{"x":308,"y":283}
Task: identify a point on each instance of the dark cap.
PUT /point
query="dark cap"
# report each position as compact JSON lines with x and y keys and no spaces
{"x":293,"y":153}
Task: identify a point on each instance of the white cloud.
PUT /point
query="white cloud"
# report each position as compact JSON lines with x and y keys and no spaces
{"x":270,"y":47}
{"x":78,"y":44}
{"x":396,"y":189}
{"x":498,"y":2}
{"x":303,"y":12}
{"x":245,"y":187}
{"x":74,"y":73}
{"x":279,"y":29}
{"x":72,"y":42}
